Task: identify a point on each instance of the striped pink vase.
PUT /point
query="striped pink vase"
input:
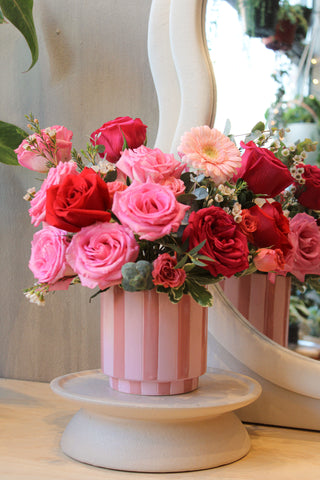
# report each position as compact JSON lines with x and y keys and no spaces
{"x":150,"y":346}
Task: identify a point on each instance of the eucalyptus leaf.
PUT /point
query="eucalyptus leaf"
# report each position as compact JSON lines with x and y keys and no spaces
{"x":227,"y":127}
{"x":201,"y":193}
{"x":19,"y":13}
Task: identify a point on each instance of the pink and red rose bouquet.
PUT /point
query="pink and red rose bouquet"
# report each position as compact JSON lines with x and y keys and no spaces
{"x":120,"y":213}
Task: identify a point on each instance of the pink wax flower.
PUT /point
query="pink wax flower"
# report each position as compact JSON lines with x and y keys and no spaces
{"x":143,"y":163}
{"x":175,"y":184}
{"x":48,"y":255}
{"x":54,"y":146}
{"x":37,"y":211}
{"x":304,"y":257}
{"x":164,"y":272}
{"x":269,"y":260}
{"x":149,"y":209}
{"x":209,"y":151}
{"x":97,"y":253}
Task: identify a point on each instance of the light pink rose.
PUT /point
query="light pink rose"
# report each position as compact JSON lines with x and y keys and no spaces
{"x":143,"y":163}
{"x":304,"y":257}
{"x":37,"y":211}
{"x":149,"y":209}
{"x":97,"y":253}
{"x":48,"y":255}
{"x":175,"y":184}
{"x":114,"y":187}
{"x":164,"y":272}
{"x":35,"y":156}
{"x":269,"y":260}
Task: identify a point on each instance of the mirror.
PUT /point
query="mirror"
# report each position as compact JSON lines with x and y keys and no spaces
{"x":254,"y":77}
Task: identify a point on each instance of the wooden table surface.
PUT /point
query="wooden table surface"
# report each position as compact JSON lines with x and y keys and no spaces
{"x":32,"y":420}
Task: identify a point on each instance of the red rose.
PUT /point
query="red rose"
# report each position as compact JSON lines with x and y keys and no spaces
{"x":112,"y":135}
{"x":225,"y":243}
{"x":165,"y":274}
{"x":309,"y":193}
{"x":263,"y":172}
{"x":272,"y":227}
{"x":78,"y":201}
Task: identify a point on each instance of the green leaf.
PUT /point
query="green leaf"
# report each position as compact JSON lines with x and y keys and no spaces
{"x":111,"y":176}
{"x":197,"y":262}
{"x":10,"y":138}
{"x":175,"y":294}
{"x":197,"y":248}
{"x":199,"y":293}
{"x":19,"y":13}
{"x":182,"y":261}
{"x":188,"y":267}
{"x":2,"y":20}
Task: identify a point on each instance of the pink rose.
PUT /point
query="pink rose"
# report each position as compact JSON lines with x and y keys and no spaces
{"x":48,"y":255}
{"x":98,"y":252}
{"x":304,"y":257}
{"x":37,"y":211}
{"x":114,"y":187}
{"x":269,"y":260}
{"x":164,"y":272}
{"x":143,"y":163}
{"x":175,"y":184}
{"x":114,"y":133}
{"x":149,"y":209}
{"x":55,"y":146}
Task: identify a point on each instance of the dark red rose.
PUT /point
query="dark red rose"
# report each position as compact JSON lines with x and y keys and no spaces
{"x":164,"y":272}
{"x":263,"y":172}
{"x":225,"y":243}
{"x":272,"y":227}
{"x":78,"y":201}
{"x":112,"y":134}
{"x":309,"y":193}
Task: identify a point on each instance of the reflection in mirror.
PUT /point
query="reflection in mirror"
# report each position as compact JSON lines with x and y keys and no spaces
{"x":262,"y":78}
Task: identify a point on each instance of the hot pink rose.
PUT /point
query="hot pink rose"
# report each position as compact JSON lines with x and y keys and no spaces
{"x":112,"y":135}
{"x":263,"y":171}
{"x":175,"y":184}
{"x":268,"y":260}
{"x":37,"y":211}
{"x":304,"y":257}
{"x":149,"y":209}
{"x":98,"y":252}
{"x":164,"y":272}
{"x":143,"y":163}
{"x":34,"y":152}
{"x":48,"y":255}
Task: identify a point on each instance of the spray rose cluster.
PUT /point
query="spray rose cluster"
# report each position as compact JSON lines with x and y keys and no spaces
{"x":120,"y":213}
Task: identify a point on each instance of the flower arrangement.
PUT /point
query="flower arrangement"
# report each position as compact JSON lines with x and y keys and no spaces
{"x":120,"y":213}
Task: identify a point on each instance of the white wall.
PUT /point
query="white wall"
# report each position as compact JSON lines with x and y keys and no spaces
{"x":93,"y":66}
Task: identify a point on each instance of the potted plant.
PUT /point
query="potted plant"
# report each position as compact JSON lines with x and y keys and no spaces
{"x":259,"y":17}
{"x":291,"y":24}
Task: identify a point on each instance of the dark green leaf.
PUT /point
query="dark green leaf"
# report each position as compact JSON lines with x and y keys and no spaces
{"x":197,"y":262}
{"x":175,"y":294}
{"x":111,"y":176}
{"x":182,"y":261}
{"x":188,"y":267}
{"x":100,"y":148}
{"x":186,"y":198}
{"x":260,"y":126}
{"x":10,"y":138}
{"x":19,"y":13}
{"x":197,"y":248}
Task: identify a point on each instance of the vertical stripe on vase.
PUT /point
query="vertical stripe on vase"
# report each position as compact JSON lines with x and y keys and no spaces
{"x":119,"y":332}
{"x":184,"y":337}
{"x":204,"y":340}
{"x":168,"y":340}
{"x":195,"y":339}
{"x":150,"y":335}
{"x":134,"y":311}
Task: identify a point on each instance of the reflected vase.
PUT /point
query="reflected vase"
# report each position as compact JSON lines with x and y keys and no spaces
{"x":263,"y":302}
{"x":150,"y":346}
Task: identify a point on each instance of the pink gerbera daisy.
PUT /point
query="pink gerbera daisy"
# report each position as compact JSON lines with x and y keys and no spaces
{"x":209,"y":151}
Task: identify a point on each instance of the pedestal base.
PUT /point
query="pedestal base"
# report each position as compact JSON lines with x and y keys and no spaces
{"x":186,"y":432}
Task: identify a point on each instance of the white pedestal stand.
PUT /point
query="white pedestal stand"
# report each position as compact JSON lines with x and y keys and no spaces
{"x":192,"y":431}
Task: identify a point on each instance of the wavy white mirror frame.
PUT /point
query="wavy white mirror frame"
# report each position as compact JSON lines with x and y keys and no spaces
{"x":185,"y":87}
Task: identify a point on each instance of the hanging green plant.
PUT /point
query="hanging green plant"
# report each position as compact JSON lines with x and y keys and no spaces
{"x":19,"y":13}
{"x":259,"y":16}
